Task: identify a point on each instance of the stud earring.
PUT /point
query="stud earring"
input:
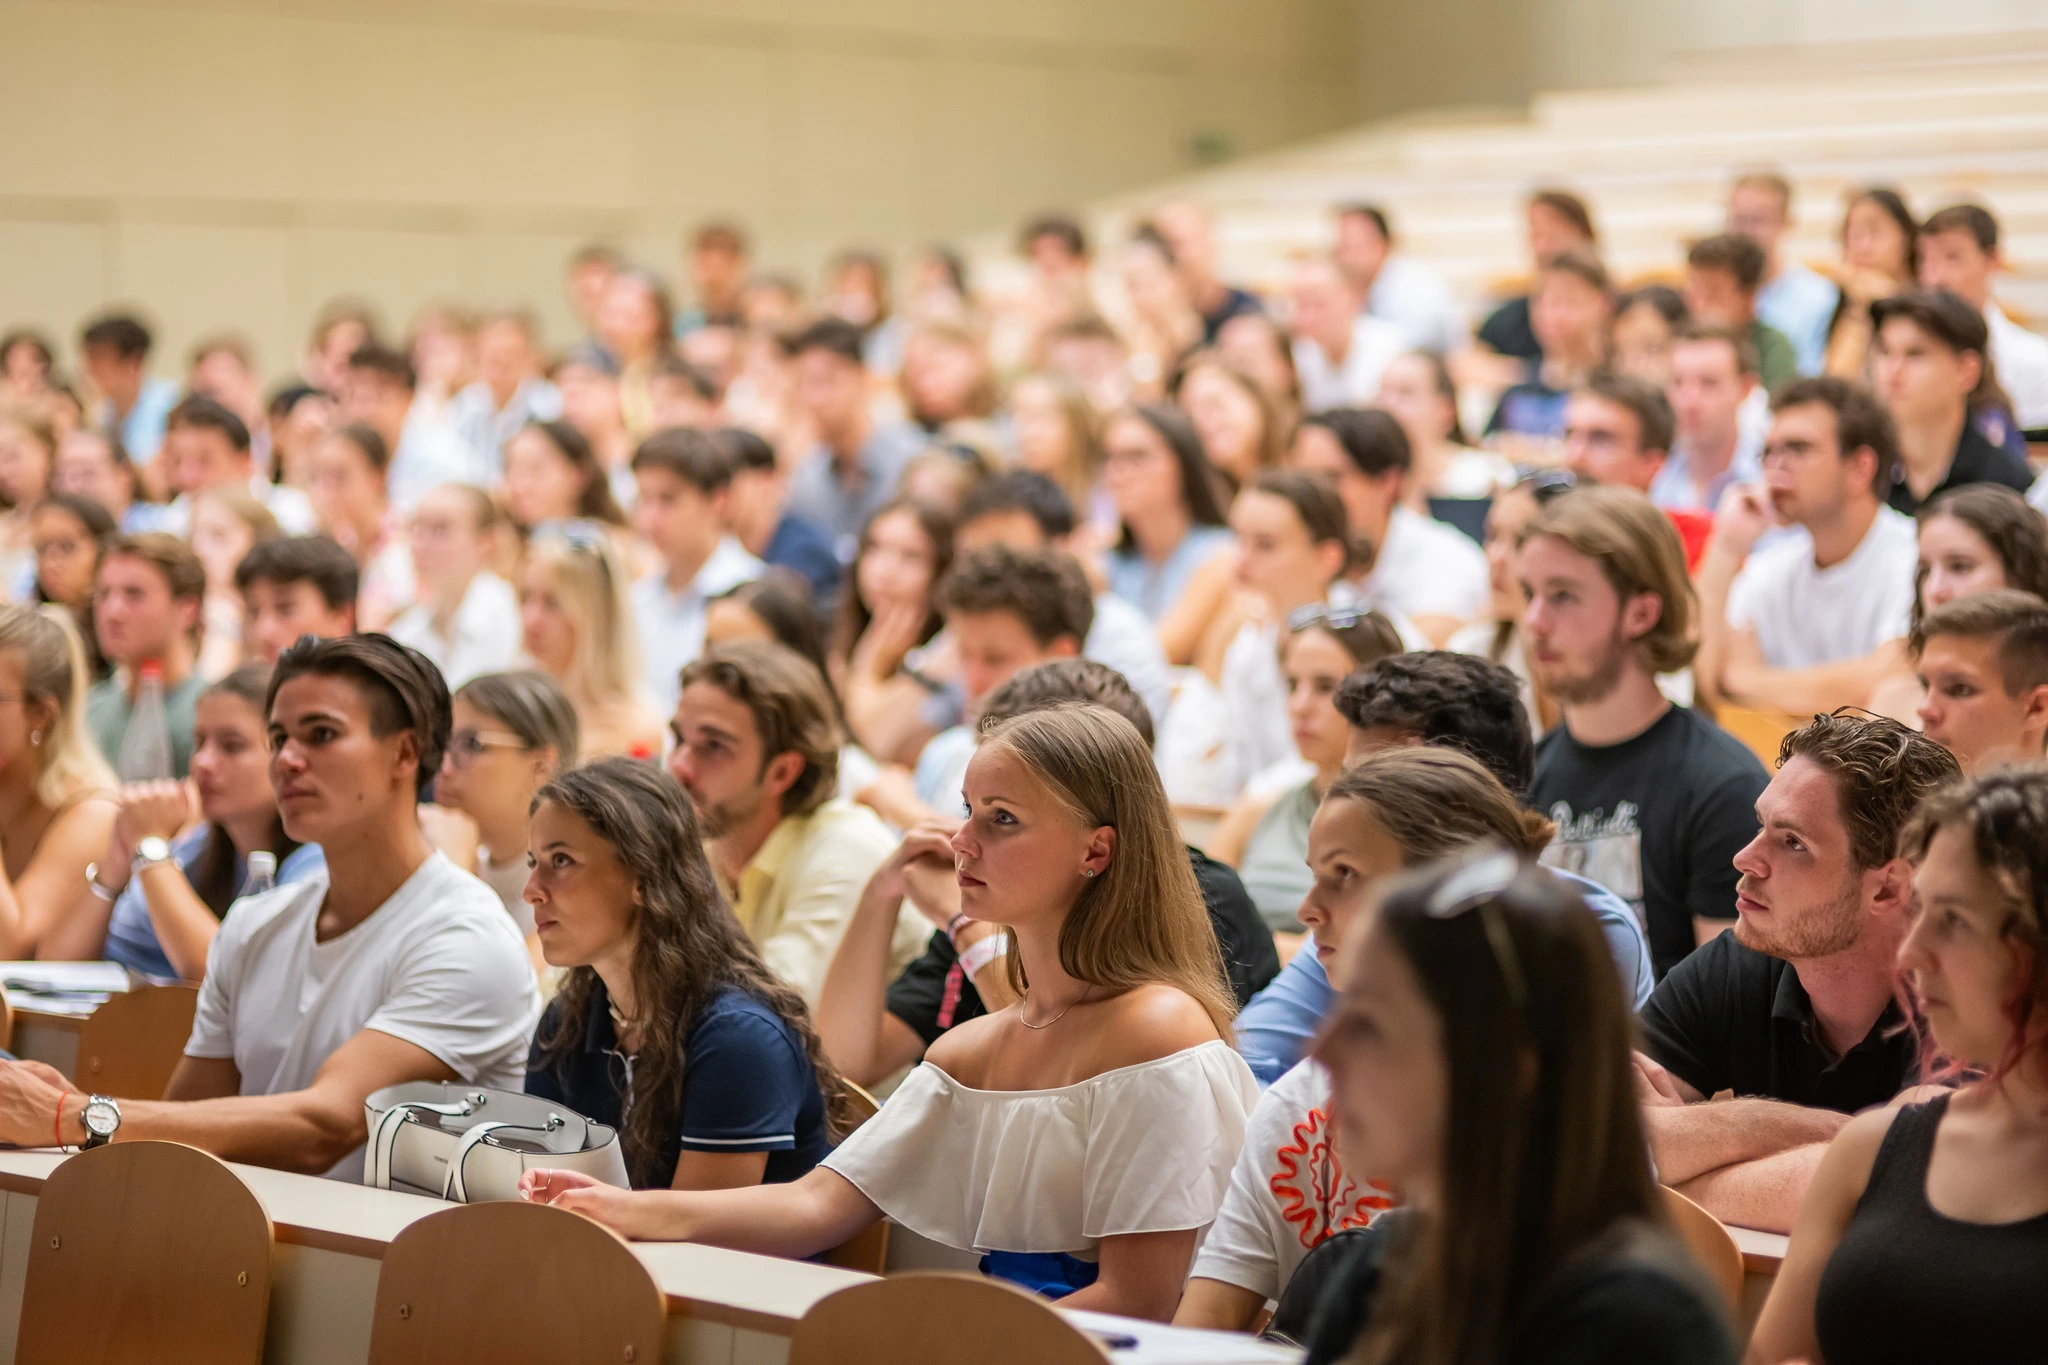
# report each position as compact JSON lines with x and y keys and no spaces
{"x":35,"y":737}
{"x":1087,"y":871}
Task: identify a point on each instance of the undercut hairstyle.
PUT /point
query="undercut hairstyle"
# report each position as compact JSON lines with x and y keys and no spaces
{"x":1974,"y":219}
{"x":374,"y":357}
{"x":170,"y":556}
{"x":1655,"y":422}
{"x":2004,"y":817}
{"x":120,"y":333}
{"x":1078,"y":680}
{"x":2016,"y":621}
{"x":834,"y":335}
{"x":530,"y":704}
{"x":1735,"y":338}
{"x":2006,"y":522}
{"x":1860,"y":420}
{"x":1448,"y":701}
{"x":1734,"y":255}
{"x":1582,"y":265}
{"x":400,"y":687}
{"x":203,"y":414}
{"x":1021,"y":490}
{"x":318,"y":560}
{"x":792,"y":708}
{"x":368,"y":443}
{"x":1371,"y":439}
{"x":1882,"y":771}
{"x":1057,"y":226}
{"x":695,"y":457}
{"x":1638,"y":551}
{"x":1569,"y":207}
{"x":1434,"y":801}
{"x":1044,"y":589}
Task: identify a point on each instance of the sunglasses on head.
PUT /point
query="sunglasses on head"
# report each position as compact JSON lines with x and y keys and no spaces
{"x":1479,"y":886}
{"x":1546,"y":485}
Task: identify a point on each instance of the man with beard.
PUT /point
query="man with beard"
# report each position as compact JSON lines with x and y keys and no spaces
{"x":1792,"y":1012}
{"x":1651,"y":800}
{"x":757,"y":748}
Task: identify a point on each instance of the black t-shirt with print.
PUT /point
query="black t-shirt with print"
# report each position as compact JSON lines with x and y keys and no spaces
{"x":1657,"y":820}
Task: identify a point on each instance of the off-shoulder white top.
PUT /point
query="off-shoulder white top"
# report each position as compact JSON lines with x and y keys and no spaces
{"x":1145,"y":1148}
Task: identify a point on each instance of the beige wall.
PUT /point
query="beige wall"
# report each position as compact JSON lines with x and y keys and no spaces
{"x":240,"y":161}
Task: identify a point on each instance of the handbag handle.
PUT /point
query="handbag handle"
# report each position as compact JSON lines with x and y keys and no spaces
{"x":454,"y":1188}
{"x":384,"y":1137}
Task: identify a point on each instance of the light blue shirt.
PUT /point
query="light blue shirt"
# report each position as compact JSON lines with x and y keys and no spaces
{"x":1800,"y":304}
{"x":820,"y":496}
{"x":671,"y":624}
{"x":1673,"y":488}
{"x":1153,"y":589}
{"x":142,"y":430}
{"x":1275,"y":1028}
{"x":131,"y":938}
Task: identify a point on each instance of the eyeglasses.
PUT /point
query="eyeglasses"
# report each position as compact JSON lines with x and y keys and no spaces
{"x":465,"y":745}
{"x":1546,"y":485}
{"x":1323,"y":614}
{"x":1478,"y":886}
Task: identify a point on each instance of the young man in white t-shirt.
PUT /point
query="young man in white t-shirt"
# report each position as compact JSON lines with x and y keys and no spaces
{"x":391,"y":966}
{"x":1815,"y":619}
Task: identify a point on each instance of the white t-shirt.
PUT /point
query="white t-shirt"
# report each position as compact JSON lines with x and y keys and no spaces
{"x":1427,"y":568}
{"x":439,"y":965}
{"x":1806,"y":616}
{"x":483,"y":633}
{"x":1374,"y":343}
{"x":1287,"y":1192}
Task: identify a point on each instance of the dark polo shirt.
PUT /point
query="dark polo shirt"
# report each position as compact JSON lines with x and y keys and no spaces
{"x":1976,"y":461}
{"x":1731,"y":1018}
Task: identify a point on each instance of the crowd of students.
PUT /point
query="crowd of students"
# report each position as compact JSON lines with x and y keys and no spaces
{"x":774,"y":697}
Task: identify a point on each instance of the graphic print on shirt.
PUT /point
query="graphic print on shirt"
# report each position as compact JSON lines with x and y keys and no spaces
{"x":1315,"y":1196}
{"x":1604,"y":848}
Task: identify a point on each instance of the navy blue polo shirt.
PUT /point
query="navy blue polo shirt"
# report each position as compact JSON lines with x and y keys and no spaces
{"x":748,"y":1085}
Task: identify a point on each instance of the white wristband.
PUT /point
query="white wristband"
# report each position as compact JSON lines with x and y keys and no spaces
{"x":979,"y":955}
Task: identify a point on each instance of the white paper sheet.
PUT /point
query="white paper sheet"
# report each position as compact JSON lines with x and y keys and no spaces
{"x":1158,"y":1345}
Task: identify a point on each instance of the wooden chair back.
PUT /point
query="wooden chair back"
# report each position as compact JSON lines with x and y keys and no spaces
{"x":146,"y":1251}
{"x":1711,"y":1246}
{"x":938,"y":1319}
{"x":129,"y":1046}
{"x":868,"y":1249}
{"x":511,"y":1281}
{"x":1761,"y":730}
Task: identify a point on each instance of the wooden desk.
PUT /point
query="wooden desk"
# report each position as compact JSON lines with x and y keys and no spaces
{"x":42,"y":1037}
{"x":1762,"y":1254}
{"x":725,"y":1307}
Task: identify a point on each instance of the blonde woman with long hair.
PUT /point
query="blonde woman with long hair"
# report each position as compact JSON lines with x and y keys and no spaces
{"x":57,"y":802}
{"x":1081,"y":1138}
{"x":578,"y":625}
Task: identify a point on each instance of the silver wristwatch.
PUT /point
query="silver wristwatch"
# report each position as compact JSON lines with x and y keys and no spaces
{"x":102,"y":1118}
{"x":150,"y":851}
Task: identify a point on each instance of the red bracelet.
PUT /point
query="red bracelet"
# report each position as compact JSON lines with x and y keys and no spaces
{"x":57,"y":1124}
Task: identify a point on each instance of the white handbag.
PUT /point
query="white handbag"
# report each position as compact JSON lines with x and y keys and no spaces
{"x":470,"y":1144}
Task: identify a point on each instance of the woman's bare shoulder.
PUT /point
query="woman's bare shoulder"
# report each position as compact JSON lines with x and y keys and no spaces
{"x":1149,"y":1022}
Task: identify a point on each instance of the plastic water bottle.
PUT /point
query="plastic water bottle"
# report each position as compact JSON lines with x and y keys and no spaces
{"x":146,"y":748}
{"x":262,"y":873}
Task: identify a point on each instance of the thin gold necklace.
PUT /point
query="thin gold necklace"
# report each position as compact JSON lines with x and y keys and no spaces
{"x":1056,"y":1018}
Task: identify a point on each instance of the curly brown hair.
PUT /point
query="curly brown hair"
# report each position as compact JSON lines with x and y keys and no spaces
{"x":1882,"y":771}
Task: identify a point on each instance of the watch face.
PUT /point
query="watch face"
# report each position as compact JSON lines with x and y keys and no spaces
{"x":153,"y":849}
{"x":101,"y":1117}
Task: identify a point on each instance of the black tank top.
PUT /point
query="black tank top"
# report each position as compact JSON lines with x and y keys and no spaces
{"x":1908,"y":1285}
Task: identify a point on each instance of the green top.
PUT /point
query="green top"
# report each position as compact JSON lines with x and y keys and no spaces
{"x":107,"y":710}
{"x":1776,"y":361}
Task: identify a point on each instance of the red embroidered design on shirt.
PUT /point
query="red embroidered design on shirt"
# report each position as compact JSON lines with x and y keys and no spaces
{"x":1314,"y":1194}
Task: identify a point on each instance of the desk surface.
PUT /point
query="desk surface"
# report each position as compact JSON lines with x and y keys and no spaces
{"x":1761,"y":1251}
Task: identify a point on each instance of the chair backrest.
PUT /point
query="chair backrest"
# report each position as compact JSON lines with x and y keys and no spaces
{"x":146,"y":1251}
{"x":938,"y":1319}
{"x":868,"y":1249}
{"x":509,"y":1281}
{"x":864,"y":1105}
{"x":1711,"y":1246}
{"x":1760,"y":730}
{"x":129,"y":1046}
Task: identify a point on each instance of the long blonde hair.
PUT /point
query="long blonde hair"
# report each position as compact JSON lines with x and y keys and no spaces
{"x":589,"y":575}
{"x":1142,"y":921}
{"x":53,"y":672}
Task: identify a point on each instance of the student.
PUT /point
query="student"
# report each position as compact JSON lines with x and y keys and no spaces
{"x":1023,"y":1133}
{"x":508,"y":391}
{"x":1982,"y":663}
{"x":1793,"y":1009}
{"x":1570,"y":312}
{"x":1439,"y":700}
{"x":227,"y":523}
{"x":1558,"y":222}
{"x":28,"y":448}
{"x":1880,"y":257}
{"x":1265,"y":835}
{"x":1243,"y":431}
{"x":1417,"y":388}
{"x":1646,"y":323}
{"x":350,"y":464}
{"x":1931,"y":367}
{"x":293,"y":587}
{"x":1395,"y":286}
{"x":1816,"y":619}
{"x":379,"y":389}
{"x":1792,"y":298}
{"x":1713,"y":374}
{"x":1423,"y":571}
{"x":146,"y":601}
{"x":180,"y":857}
{"x":1722,"y":275}
{"x":1959,"y":252}
{"x":1922,"y":1235}
{"x":552,"y":473}
{"x":93,"y":465}
{"x":757,"y":748}
{"x":57,"y":793}
{"x":762,"y":523}
{"x":853,"y":469}
{"x":69,"y":534}
{"x":1617,"y":430}
{"x":1480,"y":988}
{"x":390,"y":966}
{"x":206,"y":447}
{"x":888,"y":610}
{"x":1340,"y":349}
{"x":1609,"y":608}
{"x":465,"y":618}
{"x":577,"y":623}
{"x":682,"y":477}
{"x":1058,"y":436}
{"x":874,"y":1027}
{"x":667,"y":1026}
{"x":1498,"y":637}
{"x":512,"y":734}
{"x":1170,"y":514}
{"x":114,"y":353}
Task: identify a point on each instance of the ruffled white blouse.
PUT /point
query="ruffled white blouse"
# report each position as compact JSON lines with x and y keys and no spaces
{"x":1145,"y":1148}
